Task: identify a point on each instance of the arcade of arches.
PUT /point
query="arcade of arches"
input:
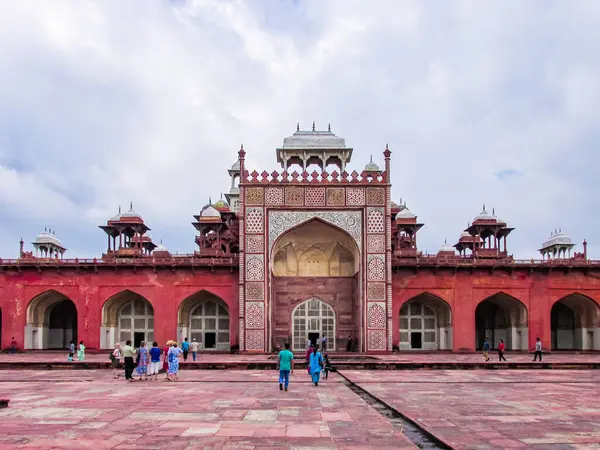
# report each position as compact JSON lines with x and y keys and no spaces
{"x":51,"y":321}
{"x":315,"y":279}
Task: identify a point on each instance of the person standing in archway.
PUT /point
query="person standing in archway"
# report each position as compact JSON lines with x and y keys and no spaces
{"x":501,"y":351}
{"x":185,"y":346}
{"x":71,"y":351}
{"x":349,"y":344}
{"x":538,"y":350}
{"x":486,"y":349}
{"x":324,"y":343}
{"x":194,"y":348}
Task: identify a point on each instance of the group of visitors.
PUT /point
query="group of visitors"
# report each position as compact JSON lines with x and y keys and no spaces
{"x":315,"y":364}
{"x":80,"y":351}
{"x":487,"y":347}
{"x":146,"y":361}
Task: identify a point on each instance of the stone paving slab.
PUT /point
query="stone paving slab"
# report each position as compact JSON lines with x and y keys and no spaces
{"x":205,"y":410}
{"x":495,"y":410}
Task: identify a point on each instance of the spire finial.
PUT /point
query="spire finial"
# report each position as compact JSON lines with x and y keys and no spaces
{"x":242,"y":147}
{"x":221,"y":196}
{"x":329,"y":127}
{"x":445,"y":241}
{"x":119,"y":209}
{"x":297,"y":126}
{"x":209,"y":200}
{"x":313,"y":125}
{"x":386,"y":147}
{"x":493,"y":211}
{"x":484,"y":207}
{"x":161,"y":242}
{"x":371,"y":158}
{"x":45,"y":229}
{"x":130,"y":206}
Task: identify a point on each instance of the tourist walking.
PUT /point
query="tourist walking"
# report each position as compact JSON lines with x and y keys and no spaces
{"x":285,"y":365}
{"x":174,"y":353}
{"x":154,"y":366}
{"x":324,"y":343}
{"x":115,"y":361}
{"x":128,"y":355}
{"x":166,"y":357}
{"x":326,"y":365}
{"x":142,"y":367}
{"x":71,"y":351}
{"x":81,"y":352}
{"x":185,"y":346}
{"x":194,"y":348}
{"x":315,"y":365}
{"x":501,"y":351}
{"x":486,"y":349}
{"x":538,"y":350}
{"x":13,"y":345}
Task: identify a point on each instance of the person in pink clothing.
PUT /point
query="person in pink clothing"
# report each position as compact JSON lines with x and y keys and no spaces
{"x":501,"y":351}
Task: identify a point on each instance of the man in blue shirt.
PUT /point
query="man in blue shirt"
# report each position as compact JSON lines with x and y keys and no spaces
{"x":186,"y":348}
{"x":285,"y":365}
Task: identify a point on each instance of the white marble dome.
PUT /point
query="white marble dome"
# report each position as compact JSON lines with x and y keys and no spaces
{"x":405,"y":214}
{"x":131,"y":214}
{"x":210,"y":212}
{"x":484,"y":215}
{"x":557,"y":238}
{"x":47,"y":238}
{"x":447,"y":248}
{"x":371,"y":166}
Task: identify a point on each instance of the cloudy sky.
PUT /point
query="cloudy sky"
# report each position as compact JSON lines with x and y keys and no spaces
{"x":107,"y":102}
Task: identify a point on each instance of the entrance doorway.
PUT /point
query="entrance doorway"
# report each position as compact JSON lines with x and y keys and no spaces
{"x":416,"y":340}
{"x":313,"y":338}
{"x":138,"y":338}
{"x":313,"y":319}
{"x":210,"y":340}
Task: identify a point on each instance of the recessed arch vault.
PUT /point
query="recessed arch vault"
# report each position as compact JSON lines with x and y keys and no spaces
{"x":502,"y":316}
{"x":126,"y":315}
{"x":575,"y":323}
{"x":205,"y":317}
{"x":425,"y":323}
{"x":51,"y":321}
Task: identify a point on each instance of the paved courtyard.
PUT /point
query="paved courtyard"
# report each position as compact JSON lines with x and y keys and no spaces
{"x":476,"y":409}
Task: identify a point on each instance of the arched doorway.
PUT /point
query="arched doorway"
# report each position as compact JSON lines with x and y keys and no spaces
{"x":205,"y":317}
{"x":425,"y":324}
{"x":126,"y":316}
{"x":51,"y":321}
{"x":317,"y":261}
{"x":501,"y":316}
{"x":575,"y":323}
{"x":313,"y":319}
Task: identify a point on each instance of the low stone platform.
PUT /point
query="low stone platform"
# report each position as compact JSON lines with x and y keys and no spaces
{"x":342,"y":361}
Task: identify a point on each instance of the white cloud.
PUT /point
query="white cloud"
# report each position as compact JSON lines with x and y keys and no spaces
{"x":110,"y":102}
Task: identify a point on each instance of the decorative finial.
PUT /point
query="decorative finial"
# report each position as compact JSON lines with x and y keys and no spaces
{"x":560,"y":230}
{"x":493,"y":211}
{"x":445,"y":241}
{"x":405,"y":205}
{"x":313,"y":125}
{"x":484,"y":207}
{"x":242,"y":147}
{"x":130,"y":206}
{"x":45,"y":229}
{"x":386,"y":147}
{"x":329,"y":127}
{"x":221,"y":196}
{"x":119,"y":209}
{"x":371,"y":158}
{"x":210,"y":200}
{"x":161,"y":242}
{"x":297,"y":126}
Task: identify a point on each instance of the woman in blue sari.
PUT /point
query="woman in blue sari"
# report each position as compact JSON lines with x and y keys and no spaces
{"x":315,"y":364}
{"x":173,"y":359}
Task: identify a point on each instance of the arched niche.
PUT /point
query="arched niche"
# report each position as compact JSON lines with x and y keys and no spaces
{"x":313,"y":319}
{"x":205,"y":317}
{"x":575,"y":323}
{"x":502,"y":316}
{"x":126,"y":316}
{"x":51,"y":321}
{"x":315,"y":249}
{"x":425,"y":323}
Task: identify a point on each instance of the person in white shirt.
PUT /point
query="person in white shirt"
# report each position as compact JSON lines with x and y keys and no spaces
{"x":538,"y":350}
{"x":194,"y":348}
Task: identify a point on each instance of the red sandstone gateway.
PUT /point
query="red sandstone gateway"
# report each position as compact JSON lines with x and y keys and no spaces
{"x":293,"y":256}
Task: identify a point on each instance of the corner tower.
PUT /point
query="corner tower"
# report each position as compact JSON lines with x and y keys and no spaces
{"x":315,"y":249}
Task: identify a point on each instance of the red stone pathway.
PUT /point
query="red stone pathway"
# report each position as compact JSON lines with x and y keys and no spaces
{"x":495,"y":410}
{"x":205,"y":410}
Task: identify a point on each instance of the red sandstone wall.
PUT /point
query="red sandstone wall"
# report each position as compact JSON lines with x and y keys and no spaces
{"x":464,"y":290}
{"x":164,"y":289}
{"x":337,"y":292}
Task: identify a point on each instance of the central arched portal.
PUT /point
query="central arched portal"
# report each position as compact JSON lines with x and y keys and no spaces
{"x":318,"y":262}
{"x":313,"y":320}
{"x":502,"y":316}
{"x":51,"y":322}
{"x":126,"y":316}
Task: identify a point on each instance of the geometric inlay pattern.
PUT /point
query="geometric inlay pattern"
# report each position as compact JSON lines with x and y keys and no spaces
{"x":254,"y":267}
{"x":376,"y":268}
{"x":376,"y":315}
{"x":375,"y":243}
{"x":254,"y":196}
{"x":315,"y":197}
{"x":255,"y":339}
{"x":254,"y":291}
{"x":255,"y":315}
{"x":355,"y":196}
{"x":274,"y":196}
{"x":376,"y":340}
{"x":335,"y":196}
{"x":282,"y":221}
{"x":375,"y":196}
{"x":255,"y":243}
{"x":375,"y":220}
{"x":294,"y":196}
{"x":376,"y":291}
{"x":254,"y":220}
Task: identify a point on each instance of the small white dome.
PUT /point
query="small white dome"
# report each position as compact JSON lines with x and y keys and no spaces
{"x":116,"y":216}
{"x":371,"y":166}
{"x":405,"y":214}
{"x":235,"y":166}
{"x":465,"y":234}
{"x":47,"y":238}
{"x":131,"y":213}
{"x":161,"y":248}
{"x":483,"y":215}
{"x":557,"y":238}
{"x":210,"y":212}
{"x":446,"y":248}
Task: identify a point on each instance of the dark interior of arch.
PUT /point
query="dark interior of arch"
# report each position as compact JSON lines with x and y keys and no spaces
{"x":62,"y":325}
{"x":495,"y":317}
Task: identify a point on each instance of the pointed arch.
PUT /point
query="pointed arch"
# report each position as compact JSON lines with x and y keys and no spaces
{"x":502,"y":316}
{"x":51,"y":321}
{"x":575,"y":323}
{"x":127,"y":315}
{"x":312,"y":320}
{"x":205,"y":317}
{"x":425,"y":323}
